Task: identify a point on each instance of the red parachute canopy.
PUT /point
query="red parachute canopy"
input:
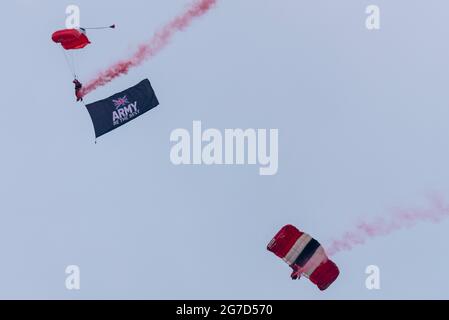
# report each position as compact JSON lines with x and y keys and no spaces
{"x":305,"y":256}
{"x":71,"y":39}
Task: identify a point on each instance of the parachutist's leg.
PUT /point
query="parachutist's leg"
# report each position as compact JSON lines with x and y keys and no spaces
{"x":296,"y":275}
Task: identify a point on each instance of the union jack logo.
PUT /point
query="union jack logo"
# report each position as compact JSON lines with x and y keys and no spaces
{"x":120,"y":102}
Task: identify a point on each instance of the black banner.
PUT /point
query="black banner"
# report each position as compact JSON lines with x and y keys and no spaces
{"x":121,"y":108}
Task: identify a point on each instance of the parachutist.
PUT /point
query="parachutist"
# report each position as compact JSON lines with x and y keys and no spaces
{"x":78,"y":87}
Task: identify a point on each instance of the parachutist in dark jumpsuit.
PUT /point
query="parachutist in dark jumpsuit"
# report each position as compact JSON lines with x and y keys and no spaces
{"x":78,"y":87}
{"x":296,"y":275}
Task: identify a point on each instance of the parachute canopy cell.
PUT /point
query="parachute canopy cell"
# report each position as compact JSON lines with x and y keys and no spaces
{"x":71,"y":39}
{"x":305,"y":256}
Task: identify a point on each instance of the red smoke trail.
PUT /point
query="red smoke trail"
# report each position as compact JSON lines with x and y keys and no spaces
{"x":400,"y":219}
{"x":148,"y":50}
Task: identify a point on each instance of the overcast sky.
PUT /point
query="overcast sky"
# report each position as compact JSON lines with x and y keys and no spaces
{"x":363,"y":119}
